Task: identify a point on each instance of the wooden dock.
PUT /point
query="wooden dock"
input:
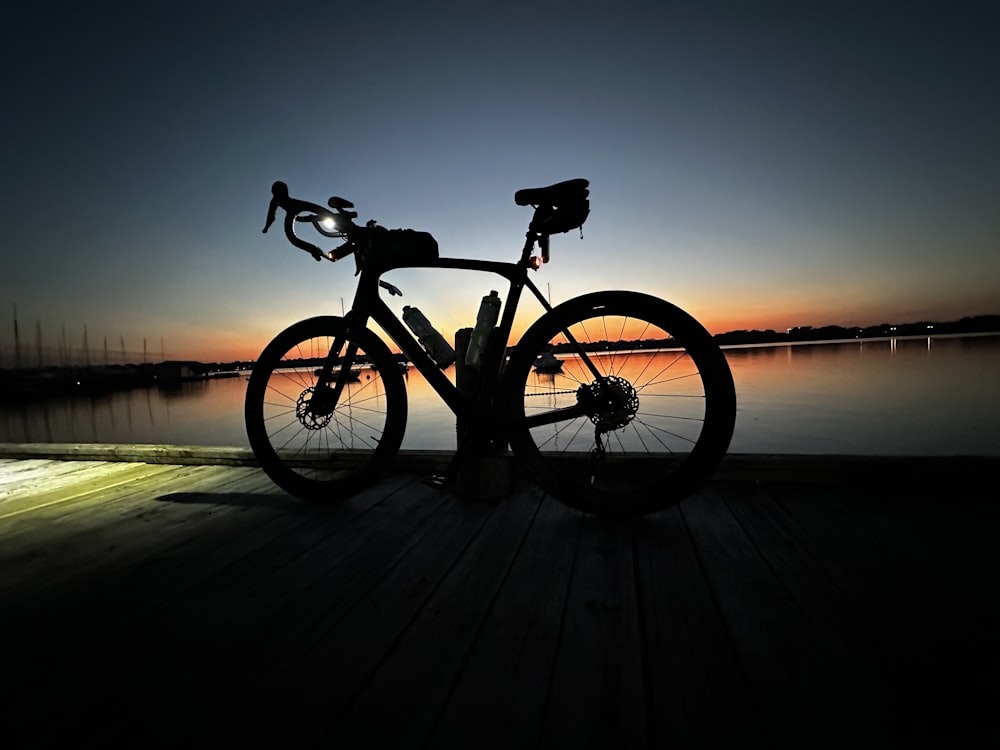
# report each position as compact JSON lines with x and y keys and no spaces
{"x":145,"y":603}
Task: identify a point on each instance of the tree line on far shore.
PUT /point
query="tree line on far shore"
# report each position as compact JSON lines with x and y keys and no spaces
{"x":975,"y":324}
{"x":967,"y":325}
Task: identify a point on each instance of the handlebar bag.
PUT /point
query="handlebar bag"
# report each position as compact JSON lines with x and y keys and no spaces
{"x":395,"y":248}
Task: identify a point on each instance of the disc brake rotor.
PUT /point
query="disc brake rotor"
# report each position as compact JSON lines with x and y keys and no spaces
{"x":310,"y":410}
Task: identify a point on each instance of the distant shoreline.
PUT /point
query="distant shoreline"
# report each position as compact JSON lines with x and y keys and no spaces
{"x":857,"y":339}
{"x":978,"y":324}
{"x":146,"y":374}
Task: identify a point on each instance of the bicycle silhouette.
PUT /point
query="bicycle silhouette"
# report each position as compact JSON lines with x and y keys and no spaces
{"x":617,"y":402}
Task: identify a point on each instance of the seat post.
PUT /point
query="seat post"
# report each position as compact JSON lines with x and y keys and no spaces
{"x":529,"y":245}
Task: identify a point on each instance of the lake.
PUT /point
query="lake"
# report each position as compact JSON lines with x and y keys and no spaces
{"x":900,"y":396}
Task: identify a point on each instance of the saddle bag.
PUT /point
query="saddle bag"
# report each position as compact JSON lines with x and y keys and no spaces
{"x":559,"y":219}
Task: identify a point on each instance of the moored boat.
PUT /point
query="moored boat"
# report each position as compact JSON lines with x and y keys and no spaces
{"x":548,"y":362}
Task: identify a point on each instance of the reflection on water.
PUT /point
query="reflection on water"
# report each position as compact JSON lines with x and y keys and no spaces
{"x":914,"y":396}
{"x":202,"y":412}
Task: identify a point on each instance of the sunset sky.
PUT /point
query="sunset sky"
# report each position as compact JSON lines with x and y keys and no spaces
{"x":760,"y":164}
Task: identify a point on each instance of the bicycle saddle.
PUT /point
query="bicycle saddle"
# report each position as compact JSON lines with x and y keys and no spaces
{"x":553,"y":195}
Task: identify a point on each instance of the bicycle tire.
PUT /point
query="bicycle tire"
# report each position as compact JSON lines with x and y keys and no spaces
{"x":664,"y":404}
{"x":316,"y":453}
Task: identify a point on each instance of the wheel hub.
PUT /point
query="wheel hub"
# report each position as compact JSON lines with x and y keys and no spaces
{"x":610,"y":403}
{"x":313,"y":410}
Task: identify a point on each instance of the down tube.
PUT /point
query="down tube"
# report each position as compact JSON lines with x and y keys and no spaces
{"x":382,"y":315}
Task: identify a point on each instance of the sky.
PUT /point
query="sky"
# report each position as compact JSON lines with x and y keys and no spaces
{"x":760,"y":164}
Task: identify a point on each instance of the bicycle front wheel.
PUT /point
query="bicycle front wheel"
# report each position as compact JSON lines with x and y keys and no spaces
{"x":309,"y":441}
{"x":634,"y":424}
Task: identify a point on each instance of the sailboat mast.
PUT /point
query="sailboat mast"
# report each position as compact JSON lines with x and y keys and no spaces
{"x":17,"y":341}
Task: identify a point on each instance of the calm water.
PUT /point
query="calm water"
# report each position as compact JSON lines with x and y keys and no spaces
{"x":935,"y":396}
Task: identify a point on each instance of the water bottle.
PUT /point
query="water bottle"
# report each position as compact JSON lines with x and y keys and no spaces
{"x":432,"y":341}
{"x":489,"y":312}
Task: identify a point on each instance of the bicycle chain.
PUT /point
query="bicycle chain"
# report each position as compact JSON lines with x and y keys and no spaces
{"x":551,"y":393}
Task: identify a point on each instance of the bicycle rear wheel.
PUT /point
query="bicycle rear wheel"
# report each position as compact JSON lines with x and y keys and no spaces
{"x":307,"y":443}
{"x":634,"y":427}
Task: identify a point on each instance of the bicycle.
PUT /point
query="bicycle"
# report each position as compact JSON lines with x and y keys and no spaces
{"x":635,"y":412}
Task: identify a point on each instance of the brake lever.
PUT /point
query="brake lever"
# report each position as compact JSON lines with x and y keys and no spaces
{"x":393,"y":290}
{"x":272,"y":209}
{"x":279,"y":193}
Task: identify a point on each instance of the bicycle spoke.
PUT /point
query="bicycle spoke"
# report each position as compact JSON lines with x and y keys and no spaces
{"x":322,"y":441}
{"x":617,"y":426}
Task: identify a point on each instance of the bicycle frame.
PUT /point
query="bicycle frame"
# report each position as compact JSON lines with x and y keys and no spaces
{"x":368,"y":305}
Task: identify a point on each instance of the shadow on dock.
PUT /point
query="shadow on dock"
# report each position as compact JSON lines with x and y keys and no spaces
{"x":157,"y":603}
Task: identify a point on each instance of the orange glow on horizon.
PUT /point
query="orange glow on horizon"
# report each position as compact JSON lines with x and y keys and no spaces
{"x":208,"y":345}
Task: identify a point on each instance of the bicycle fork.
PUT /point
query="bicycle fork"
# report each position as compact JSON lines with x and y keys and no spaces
{"x":329,"y":390}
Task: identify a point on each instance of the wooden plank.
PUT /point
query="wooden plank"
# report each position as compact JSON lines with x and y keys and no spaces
{"x":91,"y":565}
{"x":931,"y":634}
{"x":170,"y":650}
{"x":232,"y":623}
{"x":866,"y":578}
{"x":252,"y":557}
{"x":262,"y":570}
{"x":128,"y":521}
{"x":129,"y":452}
{"x":407,"y":460}
{"x":97,"y":499}
{"x":75,"y":483}
{"x":954,"y":553}
{"x":417,"y":675}
{"x":837,"y":624}
{"x":179,"y":603}
{"x":499,"y":698}
{"x":53,"y":523}
{"x":856,"y":470}
{"x":804,"y":692}
{"x":20,"y":476}
{"x":939,"y":469}
{"x":697,"y":692}
{"x":596,"y":695}
{"x":333,"y":640}
{"x":951,"y":555}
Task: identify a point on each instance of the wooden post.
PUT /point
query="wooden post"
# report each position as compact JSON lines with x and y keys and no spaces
{"x":484,"y":473}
